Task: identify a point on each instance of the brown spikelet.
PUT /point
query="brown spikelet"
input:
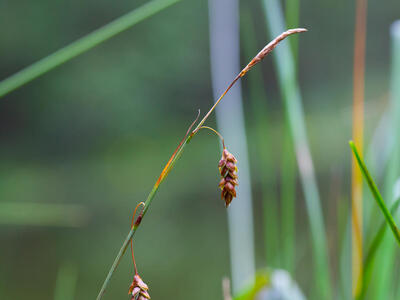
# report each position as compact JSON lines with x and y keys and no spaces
{"x":138,"y":289}
{"x":267,"y":49}
{"x":228,"y":170}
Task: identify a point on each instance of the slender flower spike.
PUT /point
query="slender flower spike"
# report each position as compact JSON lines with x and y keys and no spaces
{"x":268,"y":48}
{"x":138,"y":289}
{"x":228,"y":170}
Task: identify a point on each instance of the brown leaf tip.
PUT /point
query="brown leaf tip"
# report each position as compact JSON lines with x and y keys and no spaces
{"x":228,"y":170}
{"x":138,"y":289}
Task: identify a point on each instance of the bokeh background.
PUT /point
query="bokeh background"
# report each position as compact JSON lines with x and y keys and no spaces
{"x":83,"y":144}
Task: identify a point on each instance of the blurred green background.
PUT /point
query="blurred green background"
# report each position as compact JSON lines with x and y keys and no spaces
{"x":92,"y":136}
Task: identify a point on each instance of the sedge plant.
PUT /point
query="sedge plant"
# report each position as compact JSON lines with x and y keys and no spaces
{"x":378,"y":239}
{"x":375,"y":192}
{"x":179,"y":150}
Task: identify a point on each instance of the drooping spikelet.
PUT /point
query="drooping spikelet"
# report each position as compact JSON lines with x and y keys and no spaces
{"x":228,"y":170}
{"x":268,"y":48}
{"x":138,"y":289}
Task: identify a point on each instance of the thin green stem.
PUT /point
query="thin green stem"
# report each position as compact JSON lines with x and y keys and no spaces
{"x":82,"y":45}
{"x":384,"y":283}
{"x":147,"y":203}
{"x":375,"y":192}
{"x":170,"y":164}
{"x":263,"y":158}
{"x":292,"y":14}
{"x":125,"y":245}
{"x":290,"y":90}
{"x":288,"y":196}
{"x":372,"y":250}
{"x":67,"y":278}
{"x":217,"y":133}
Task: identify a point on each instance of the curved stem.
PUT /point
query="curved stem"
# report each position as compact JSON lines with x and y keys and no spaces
{"x":216,"y":132}
{"x":179,"y":150}
{"x":133,"y":218}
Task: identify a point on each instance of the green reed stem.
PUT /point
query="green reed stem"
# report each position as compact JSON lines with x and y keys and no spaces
{"x":384,"y":282}
{"x":288,"y":174}
{"x":147,"y":203}
{"x":288,"y":198}
{"x":263,"y":158}
{"x":67,"y":278}
{"x":372,"y":250}
{"x":294,"y":111}
{"x":292,"y":15}
{"x":82,"y":45}
{"x":171,"y":163}
{"x":375,"y":192}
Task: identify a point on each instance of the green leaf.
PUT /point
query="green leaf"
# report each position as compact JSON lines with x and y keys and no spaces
{"x":372,"y":250}
{"x":82,"y":45}
{"x":375,"y":192}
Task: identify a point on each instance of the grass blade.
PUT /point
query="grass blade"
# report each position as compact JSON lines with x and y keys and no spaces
{"x":179,"y":150}
{"x":292,"y":14}
{"x":372,"y":250}
{"x":82,"y":45}
{"x":263,"y":158}
{"x":225,"y":61}
{"x":384,"y":281}
{"x":294,"y":111}
{"x":375,"y":192}
{"x":358,"y":132}
{"x":67,"y":278}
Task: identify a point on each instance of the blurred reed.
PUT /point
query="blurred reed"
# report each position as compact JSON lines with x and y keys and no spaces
{"x":292,"y":15}
{"x":381,"y":232}
{"x":358,"y":129}
{"x":384,"y":285}
{"x":82,"y":45}
{"x":66,"y":281}
{"x":372,"y":250}
{"x":262,"y":158}
{"x":42,"y":214}
{"x":288,"y":169}
{"x":288,"y":201}
{"x":375,"y":192}
{"x":225,"y":63}
{"x":294,"y":111}
{"x":179,"y":150}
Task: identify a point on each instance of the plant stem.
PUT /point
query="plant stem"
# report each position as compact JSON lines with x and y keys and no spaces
{"x":125,"y":245}
{"x":67,"y":278}
{"x":263,"y":158}
{"x":225,"y":61}
{"x":168,"y":167}
{"x":375,"y":192}
{"x":358,"y":129}
{"x":385,"y":283}
{"x":372,"y":250}
{"x":288,"y":174}
{"x":82,"y":45}
{"x":294,"y":111}
{"x":292,"y":14}
{"x":288,"y":197}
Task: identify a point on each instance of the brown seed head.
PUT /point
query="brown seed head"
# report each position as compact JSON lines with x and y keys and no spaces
{"x":138,"y":289}
{"x":228,"y":170}
{"x":267,"y":49}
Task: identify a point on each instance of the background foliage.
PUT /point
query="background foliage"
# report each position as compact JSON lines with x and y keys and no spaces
{"x":95,"y":133}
